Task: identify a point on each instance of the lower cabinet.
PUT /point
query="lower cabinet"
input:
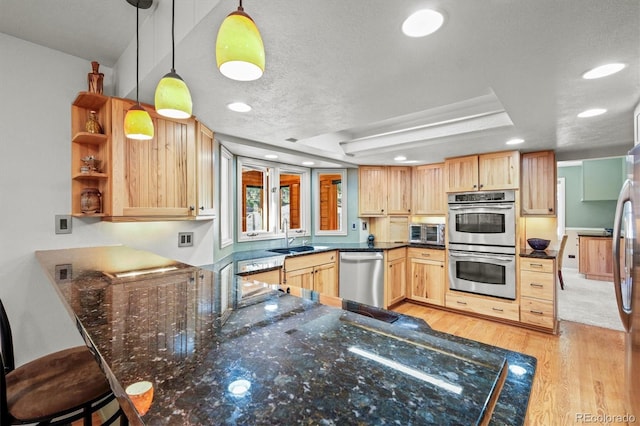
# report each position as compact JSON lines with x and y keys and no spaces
{"x":317,"y":272}
{"x":484,"y":305}
{"x":538,"y":292}
{"x":426,"y":275}
{"x":395,"y":276}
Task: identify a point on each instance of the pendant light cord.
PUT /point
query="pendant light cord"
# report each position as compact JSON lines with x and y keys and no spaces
{"x":137,"y":57}
{"x":173,"y":41}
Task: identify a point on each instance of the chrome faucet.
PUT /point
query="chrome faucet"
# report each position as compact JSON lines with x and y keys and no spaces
{"x":285,"y":227}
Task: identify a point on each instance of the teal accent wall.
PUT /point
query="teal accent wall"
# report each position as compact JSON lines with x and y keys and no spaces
{"x":584,"y":214}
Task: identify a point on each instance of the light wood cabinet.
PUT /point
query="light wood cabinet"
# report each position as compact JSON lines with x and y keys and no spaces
{"x":426,"y":275}
{"x":595,"y":257}
{"x":428,"y":194}
{"x":391,"y":229}
{"x":384,"y":190}
{"x":154,"y":177}
{"x":372,"y":191}
{"x":85,"y":144}
{"x":205,"y":156}
{"x":492,"y":171}
{"x":538,"y":185}
{"x":267,"y":277}
{"x":398,"y":190}
{"x":395,"y":276}
{"x":317,"y":272}
{"x":488,"y":306}
{"x":538,"y":292}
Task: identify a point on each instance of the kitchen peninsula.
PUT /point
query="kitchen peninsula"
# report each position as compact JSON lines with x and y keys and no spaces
{"x":216,"y":355}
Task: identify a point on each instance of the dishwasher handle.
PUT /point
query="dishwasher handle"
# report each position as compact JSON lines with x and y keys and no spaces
{"x":361,"y":256}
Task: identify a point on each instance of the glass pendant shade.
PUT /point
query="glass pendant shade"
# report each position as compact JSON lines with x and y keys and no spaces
{"x":173,"y":98}
{"x":239,"y":48}
{"x":138,"y":124}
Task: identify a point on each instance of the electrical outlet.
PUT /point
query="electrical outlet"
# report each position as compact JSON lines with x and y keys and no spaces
{"x":63,"y":273}
{"x":185,"y":239}
{"x":63,"y":224}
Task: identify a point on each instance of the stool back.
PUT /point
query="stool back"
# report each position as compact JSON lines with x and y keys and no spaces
{"x":6,"y":341}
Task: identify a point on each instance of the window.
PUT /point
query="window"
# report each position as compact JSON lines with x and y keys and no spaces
{"x":226,"y":197}
{"x":330,"y":202}
{"x":269,"y":194}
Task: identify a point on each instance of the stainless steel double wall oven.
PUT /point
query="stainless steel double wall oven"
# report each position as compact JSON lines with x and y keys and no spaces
{"x":482,"y":243}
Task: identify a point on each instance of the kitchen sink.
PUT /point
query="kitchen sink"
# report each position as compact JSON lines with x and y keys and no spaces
{"x":295,"y":249}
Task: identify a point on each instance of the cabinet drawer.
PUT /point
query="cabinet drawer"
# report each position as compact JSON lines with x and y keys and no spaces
{"x":484,"y":306}
{"x":537,"y":312}
{"x":268,"y":277}
{"x":537,"y":284}
{"x":303,"y":261}
{"x":430,"y":254}
{"x":537,"y":265}
{"x":394,"y":254}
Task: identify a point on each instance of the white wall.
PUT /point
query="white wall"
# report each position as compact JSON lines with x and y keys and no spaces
{"x":37,"y":86}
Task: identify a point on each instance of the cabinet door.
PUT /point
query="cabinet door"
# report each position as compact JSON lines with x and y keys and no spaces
{"x":461,"y":174}
{"x":372,"y":191}
{"x":302,"y":278}
{"x":499,"y":170}
{"x":205,"y":171}
{"x":325,"y":279}
{"x":428,"y":190}
{"x":427,"y":281}
{"x":538,"y":192}
{"x":396,"y":279}
{"x":596,"y":258}
{"x":398,"y":190}
{"x":154,"y":177}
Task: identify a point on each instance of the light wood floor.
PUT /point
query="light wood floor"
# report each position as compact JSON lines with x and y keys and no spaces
{"x":580,"y":370}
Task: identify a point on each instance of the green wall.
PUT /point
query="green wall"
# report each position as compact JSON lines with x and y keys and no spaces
{"x":585,"y":214}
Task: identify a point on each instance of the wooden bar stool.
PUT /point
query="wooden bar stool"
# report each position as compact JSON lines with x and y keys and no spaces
{"x":55,"y":389}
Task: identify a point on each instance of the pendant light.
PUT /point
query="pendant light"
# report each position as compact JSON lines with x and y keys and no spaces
{"x":137,"y":122}
{"x":172,"y":94}
{"x":239,"y":48}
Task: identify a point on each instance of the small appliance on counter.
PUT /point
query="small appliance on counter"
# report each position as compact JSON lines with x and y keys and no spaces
{"x":427,"y":233}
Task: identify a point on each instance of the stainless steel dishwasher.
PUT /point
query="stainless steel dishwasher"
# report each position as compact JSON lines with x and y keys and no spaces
{"x":362,"y":277}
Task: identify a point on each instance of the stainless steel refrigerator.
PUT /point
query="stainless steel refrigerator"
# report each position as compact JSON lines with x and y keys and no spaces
{"x":627,"y":278}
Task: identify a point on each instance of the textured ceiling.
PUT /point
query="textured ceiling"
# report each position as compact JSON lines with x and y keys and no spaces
{"x":344,"y":81}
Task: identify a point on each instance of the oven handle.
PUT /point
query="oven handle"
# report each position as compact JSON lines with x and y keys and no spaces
{"x":484,"y":206}
{"x":482,"y":256}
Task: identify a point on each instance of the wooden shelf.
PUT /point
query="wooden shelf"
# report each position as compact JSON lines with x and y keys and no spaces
{"x":79,"y":176}
{"x":91,"y":101}
{"x":88,"y":215}
{"x":90,"y":138}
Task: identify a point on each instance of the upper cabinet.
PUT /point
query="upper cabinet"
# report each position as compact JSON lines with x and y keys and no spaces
{"x":497,"y":170}
{"x":538,"y":190}
{"x":169,"y":177}
{"x":384,"y":190}
{"x":428,"y":194}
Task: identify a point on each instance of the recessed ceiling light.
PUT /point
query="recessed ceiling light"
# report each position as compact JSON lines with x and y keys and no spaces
{"x":592,"y":112}
{"x":271,"y":156}
{"x":603,"y":71}
{"x":422,"y":23}
{"x":308,"y":163}
{"x":514,"y":141}
{"x":400,"y":158}
{"x":239,"y":107}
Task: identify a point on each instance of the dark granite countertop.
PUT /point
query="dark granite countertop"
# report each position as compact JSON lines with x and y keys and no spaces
{"x":539,"y":254}
{"x":193,"y":332}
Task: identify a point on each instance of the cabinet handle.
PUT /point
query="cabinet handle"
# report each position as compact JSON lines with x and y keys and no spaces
{"x":537,"y":312}
{"x":498,"y":309}
{"x":460,"y":303}
{"x":202,"y":208}
{"x":481,"y":185}
{"x":475,"y":186}
{"x":535,"y":265}
{"x":426,"y":254}
{"x":550,"y":209}
{"x":382,"y":210}
{"x":251,"y":234}
{"x":192,"y":208}
{"x":536,"y":285}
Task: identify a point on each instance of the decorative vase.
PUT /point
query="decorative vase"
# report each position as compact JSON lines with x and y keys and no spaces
{"x":95,"y":78}
{"x":90,"y":200}
{"x":93,"y":125}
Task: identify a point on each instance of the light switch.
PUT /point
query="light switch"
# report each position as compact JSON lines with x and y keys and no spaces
{"x":63,"y":224}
